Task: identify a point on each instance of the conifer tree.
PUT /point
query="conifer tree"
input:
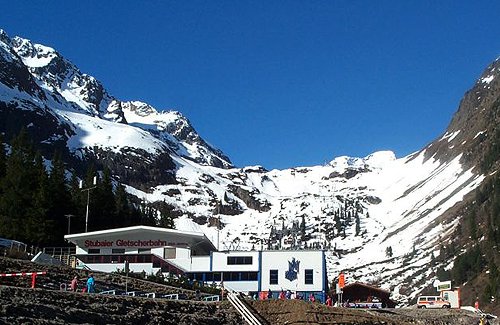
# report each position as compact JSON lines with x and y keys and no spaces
{"x":77,"y":204}
{"x":93,"y":222}
{"x":472,"y":222}
{"x":338,"y":223}
{"x":39,"y":225}
{"x":388,"y":251}
{"x":148,"y":215}
{"x":358,"y":224}
{"x":17,"y":188}
{"x":166,"y":219}
{"x":3,"y":158}
{"x":60,"y":197}
{"x":104,"y":203}
{"x":122,"y":206}
{"x":303,"y":229}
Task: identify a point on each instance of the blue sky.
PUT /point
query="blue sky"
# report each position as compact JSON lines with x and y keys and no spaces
{"x":280,"y":83}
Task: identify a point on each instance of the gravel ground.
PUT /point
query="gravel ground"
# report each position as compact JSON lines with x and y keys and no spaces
{"x":46,"y":304}
{"x":301,"y":312}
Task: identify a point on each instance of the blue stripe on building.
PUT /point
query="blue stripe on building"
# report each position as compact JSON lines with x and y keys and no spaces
{"x":259,"y":273}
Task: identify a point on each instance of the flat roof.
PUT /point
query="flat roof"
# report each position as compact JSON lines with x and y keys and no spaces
{"x":365,"y":285}
{"x":191,"y":239}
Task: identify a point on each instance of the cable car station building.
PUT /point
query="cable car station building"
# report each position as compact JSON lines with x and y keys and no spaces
{"x":192,"y":254}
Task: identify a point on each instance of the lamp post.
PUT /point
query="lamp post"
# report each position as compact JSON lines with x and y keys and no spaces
{"x":218,"y":225}
{"x":69,"y":216}
{"x":88,"y":199}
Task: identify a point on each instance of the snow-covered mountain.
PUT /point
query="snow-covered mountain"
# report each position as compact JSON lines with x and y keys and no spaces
{"x":89,"y":111}
{"x":380,"y":218}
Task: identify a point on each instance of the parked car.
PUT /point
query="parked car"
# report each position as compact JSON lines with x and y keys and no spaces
{"x":432,"y":302}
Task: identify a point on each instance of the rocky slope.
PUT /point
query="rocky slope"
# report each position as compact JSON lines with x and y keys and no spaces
{"x":48,"y":305}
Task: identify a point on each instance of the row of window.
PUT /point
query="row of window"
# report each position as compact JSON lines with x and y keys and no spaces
{"x":244,"y":276}
{"x":104,"y":259}
{"x":226,"y":276}
{"x":119,"y":251}
{"x":239,"y":260}
{"x":308,"y":277}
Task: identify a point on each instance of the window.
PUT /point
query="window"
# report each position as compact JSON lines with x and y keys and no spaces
{"x":118,"y":251}
{"x":308,"y":276}
{"x":273,"y":276}
{"x":217,"y":276}
{"x":143,"y":258}
{"x":144,"y":250}
{"x":248,"y":276}
{"x":196,"y":276}
{"x":94,"y":251}
{"x":239,"y":260}
{"x":169,"y":252}
{"x":231,"y":276}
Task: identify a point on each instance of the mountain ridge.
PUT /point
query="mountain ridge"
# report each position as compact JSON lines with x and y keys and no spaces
{"x":379,"y":218}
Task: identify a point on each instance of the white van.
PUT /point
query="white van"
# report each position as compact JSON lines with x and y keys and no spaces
{"x":432,"y":302}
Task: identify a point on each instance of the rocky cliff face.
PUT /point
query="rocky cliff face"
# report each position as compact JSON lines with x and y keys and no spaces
{"x":472,"y":128}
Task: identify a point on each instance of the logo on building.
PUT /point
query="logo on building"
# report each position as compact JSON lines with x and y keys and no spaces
{"x":293,"y":269}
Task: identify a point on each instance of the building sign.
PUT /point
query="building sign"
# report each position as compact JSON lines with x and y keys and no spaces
{"x":131,"y":243}
{"x":293,"y":269}
{"x":442,"y":286}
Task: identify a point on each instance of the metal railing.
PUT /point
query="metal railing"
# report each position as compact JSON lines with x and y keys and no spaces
{"x":247,"y":315}
{"x":63,"y":254}
{"x":58,"y":251}
{"x":211,"y":298}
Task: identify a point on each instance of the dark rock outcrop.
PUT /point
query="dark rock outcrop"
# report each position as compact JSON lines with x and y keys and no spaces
{"x":248,"y":196}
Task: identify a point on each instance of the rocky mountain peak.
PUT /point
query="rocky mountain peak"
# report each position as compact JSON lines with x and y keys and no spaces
{"x":139,"y":108}
{"x":33,"y":55}
{"x":55,"y":73}
{"x":13,"y":72}
{"x":174,"y":128}
{"x":48,"y":80}
{"x":372,"y":161}
{"x":4,"y":37}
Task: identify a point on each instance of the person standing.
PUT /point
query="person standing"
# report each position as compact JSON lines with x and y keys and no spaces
{"x":90,"y":284}
{"x":329,"y":301}
{"x":74,"y":284}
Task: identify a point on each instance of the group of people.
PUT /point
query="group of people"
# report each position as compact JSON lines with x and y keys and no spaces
{"x":89,"y":285}
{"x":285,"y":295}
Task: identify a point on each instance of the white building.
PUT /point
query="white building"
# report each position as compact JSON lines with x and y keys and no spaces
{"x":152,"y":249}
